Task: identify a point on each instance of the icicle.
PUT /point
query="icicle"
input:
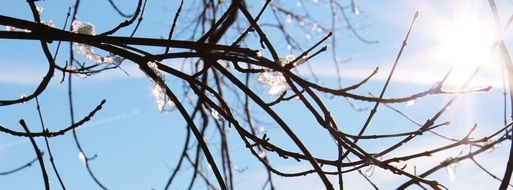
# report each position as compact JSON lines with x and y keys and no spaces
{"x":369,"y":171}
{"x":451,"y":168}
{"x":163,"y":102}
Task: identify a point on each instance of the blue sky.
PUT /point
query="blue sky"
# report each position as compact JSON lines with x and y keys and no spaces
{"x":137,"y":146}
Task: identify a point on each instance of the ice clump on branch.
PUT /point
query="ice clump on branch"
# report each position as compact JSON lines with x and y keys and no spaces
{"x":80,"y":27}
{"x":164,"y":104}
{"x":262,"y":153}
{"x":10,"y":28}
{"x":275,"y":80}
{"x":39,"y":10}
{"x":494,"y":144}
{"x":48,"y":23}
{"x":87,"y":28}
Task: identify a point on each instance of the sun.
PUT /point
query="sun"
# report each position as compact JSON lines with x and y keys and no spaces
{"x":464,"y":44}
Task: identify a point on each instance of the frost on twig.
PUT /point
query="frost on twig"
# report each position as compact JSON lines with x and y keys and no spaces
{"x":164,"y":104}
{"x":86,"y":50}
{"x":73,"y":68}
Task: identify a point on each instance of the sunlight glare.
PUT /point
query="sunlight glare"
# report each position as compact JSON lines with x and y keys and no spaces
{"x":464,"y":44}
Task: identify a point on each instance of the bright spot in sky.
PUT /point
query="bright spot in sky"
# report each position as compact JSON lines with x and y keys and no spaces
{"x":465,"y":43}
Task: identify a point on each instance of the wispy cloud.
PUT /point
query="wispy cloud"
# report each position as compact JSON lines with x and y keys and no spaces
{"x":19,"y":73}
{"x":16,"y":73}
{"x":95,"y":123}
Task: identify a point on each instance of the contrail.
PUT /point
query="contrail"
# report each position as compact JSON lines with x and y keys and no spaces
{"x":85,"y":126}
